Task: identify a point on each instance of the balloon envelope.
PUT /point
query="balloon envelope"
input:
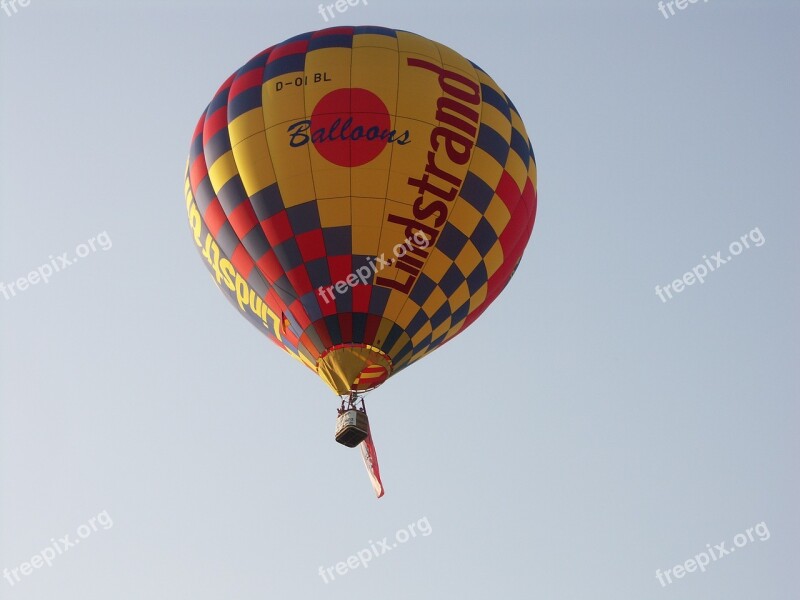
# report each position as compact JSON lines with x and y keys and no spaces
{"x":361,"y":195}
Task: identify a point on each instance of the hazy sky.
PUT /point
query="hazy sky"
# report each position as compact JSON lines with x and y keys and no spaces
{"x":582,"y":434}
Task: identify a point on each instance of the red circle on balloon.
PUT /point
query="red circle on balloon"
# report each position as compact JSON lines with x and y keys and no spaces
{"x":350,"y":126}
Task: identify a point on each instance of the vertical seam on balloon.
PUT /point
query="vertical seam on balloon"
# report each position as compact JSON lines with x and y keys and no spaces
{"x":389,"y":170}
{"x":422,"y":269}
{"x":350,"y":144}
{"x":249,"y":198}
{"x":269,"y":153}
{"x":350,"y":182}
{"x":274,"y":170}
{"x":391,"y":146}
{"x":388,"y":177}
{"x":391,"y":158}
{"x":308,"y":115}
{"x":270,"y":284}
{"x":311,"y":143}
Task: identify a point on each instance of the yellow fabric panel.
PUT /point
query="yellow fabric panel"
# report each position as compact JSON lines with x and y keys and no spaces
{"x":464,"y":217}
{"x":419,"y":92}
{"x":420,"y":335}
{"x":479,"y":297}
{"x":383,"y":330}
{"x":399,"y":192}
{"x":246,"y":125}
{"x":468,"y":259}
{"x":223,"y":169}
{"x":372,"y":182}
{"x":408,"y":160}
{"x":330,"y":181}
{"x":375,"y":69}
{"x":441,"y":329}
{"x":517,"y":169}
{"x":454,"y":331}
{"x":366,"y":240}
{"x":497,"y":214}
{"x":493,"y":259}
{"x":455,"y":62}
{"x":296,"y":190}
{"x":287,"y":161}
{"x":437,"y":265}
{"x":415,"y":356}
{"x":496,"y":120}
{"x":394,"y":305}
{"x":486,"y":167}
{"x":398,"y":346}
{"x":392,"y":233}
{"x":286,"y":105}
{"x":364,"y":40}
{"x":341,"y":367}
{"x":458,"y":297}
{"x":254,"y":163}
{"x":334,"y":212}
{"x":403,"y":319}
{"x":368,"y":212}
{"x":292,"y":166}
{"x":435,"y":301}
{"x":404,"y":339}
{"x":368,"y":380}
{"x":410,"y":42}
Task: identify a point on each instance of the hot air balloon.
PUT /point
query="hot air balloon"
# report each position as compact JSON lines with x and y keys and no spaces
{"x":361,"y":195}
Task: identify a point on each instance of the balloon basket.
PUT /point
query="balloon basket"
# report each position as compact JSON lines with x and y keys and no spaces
{"x":352,"y":423}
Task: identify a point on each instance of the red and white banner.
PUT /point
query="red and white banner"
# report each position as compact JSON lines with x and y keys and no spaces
{"x":371,"y":463}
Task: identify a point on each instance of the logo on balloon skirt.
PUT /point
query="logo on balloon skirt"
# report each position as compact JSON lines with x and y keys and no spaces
{"x":349,"y":127}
